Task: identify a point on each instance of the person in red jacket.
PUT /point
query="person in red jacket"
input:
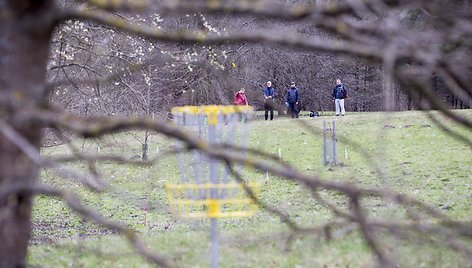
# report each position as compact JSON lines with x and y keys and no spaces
{"x":240,"y":98}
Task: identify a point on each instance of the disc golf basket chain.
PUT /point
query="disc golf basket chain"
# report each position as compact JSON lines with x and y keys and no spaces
{"x":206,"y":189}
{"x":195,"y":200}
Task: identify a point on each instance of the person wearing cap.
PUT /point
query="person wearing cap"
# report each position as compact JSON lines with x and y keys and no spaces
{"x":339,"y":94}
{"x":292,"y":99}
{"x":269,"y":95}
{"x":240,"y":98}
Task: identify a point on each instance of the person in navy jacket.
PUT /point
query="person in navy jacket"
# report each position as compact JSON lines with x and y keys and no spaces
{"x":339,"y":94}
{"x":269,"y":95}
{"x":292,"y":99}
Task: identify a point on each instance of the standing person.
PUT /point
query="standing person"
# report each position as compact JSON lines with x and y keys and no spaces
{"x":339,"y":94}
{"x":240,"y":97}
{"x":292,"y":100}
{"x":269,"y":95}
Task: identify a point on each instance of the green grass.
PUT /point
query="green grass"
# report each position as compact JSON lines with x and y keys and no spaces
{"x":418,"y":159}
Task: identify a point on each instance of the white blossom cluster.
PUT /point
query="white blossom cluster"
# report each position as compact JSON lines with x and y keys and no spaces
{"x":78,"y":28}
{"x":208,"y":26}
{"x":213,"y":55}
{"x":156,"y":19}
{"x":59,"y":92}
{"x":67,"y":53}
{"x":147,"y":79}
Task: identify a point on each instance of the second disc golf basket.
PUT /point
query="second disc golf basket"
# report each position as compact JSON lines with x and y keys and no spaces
{"x":206,"y":189}
{"x":330,"y":145}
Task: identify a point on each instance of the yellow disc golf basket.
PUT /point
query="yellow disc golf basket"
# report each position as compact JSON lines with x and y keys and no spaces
{"x":206,"y":189}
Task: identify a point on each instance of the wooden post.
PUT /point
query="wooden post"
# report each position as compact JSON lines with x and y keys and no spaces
{"x":325,"y":156}
{"x":145,"y":217}
{"x":335,"y":144}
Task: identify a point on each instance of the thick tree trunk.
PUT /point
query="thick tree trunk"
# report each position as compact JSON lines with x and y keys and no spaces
{"x":25,"y":29}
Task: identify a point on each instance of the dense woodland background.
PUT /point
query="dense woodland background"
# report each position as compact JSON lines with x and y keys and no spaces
{"x":179,"y":74}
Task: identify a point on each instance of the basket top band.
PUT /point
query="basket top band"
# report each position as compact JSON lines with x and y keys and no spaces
{"x":212,"y":111}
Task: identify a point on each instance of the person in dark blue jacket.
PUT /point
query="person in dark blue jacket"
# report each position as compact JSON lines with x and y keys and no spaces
{"x":292,"y":99}
{"x":339,"y":94}
{"x":269,"y":95}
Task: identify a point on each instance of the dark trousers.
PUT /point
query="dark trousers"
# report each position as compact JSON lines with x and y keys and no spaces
{"x":292,"y":108}
{"x":269,"y":106}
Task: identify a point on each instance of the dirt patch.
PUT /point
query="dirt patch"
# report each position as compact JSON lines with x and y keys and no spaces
{"x":47,"y":232}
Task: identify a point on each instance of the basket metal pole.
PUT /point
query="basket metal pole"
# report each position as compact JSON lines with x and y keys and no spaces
{"x":335,"y":144}
{"x":213,"y":195}
{"x":214,"y":243}
{"x":325,"y":149}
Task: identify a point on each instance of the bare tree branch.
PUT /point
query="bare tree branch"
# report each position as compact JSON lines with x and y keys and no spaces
{"x":383,"y":259}
{"x":292,"y":40}
{"x":74,"y":202}
{"x":94,"y":183}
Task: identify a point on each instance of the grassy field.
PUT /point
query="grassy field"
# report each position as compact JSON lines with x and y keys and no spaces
{"x":417,"y":157}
